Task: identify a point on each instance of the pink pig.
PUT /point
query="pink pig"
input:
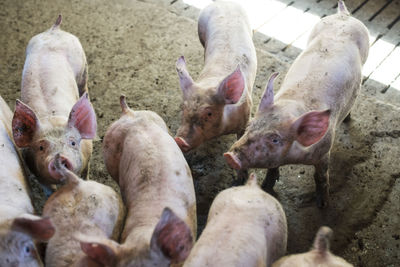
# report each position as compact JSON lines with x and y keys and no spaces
{"x":157,"y":189}
{"x":245,"y":227}
{"x":79,"y":209}
{"x":19,"y":228}
{"x":298,"y":125}
{"x":319,"y":255}
{"x":51,"y":118}
{"x":219,"y":102}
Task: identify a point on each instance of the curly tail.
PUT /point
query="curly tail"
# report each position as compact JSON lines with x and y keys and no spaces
{"x":57,"y":23}
{"x":321,"y":242}
{"x":342,"y":9}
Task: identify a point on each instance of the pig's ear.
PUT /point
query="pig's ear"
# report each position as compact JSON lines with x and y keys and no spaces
{"x":38,"y":228}
{"x":24,"y":124}
{"x":311,"y":127}
{"x":231,"y":88}
{"x":83,"y":118}
{"x":102,"y":253}
{"x":267,"y":99}
{"x":185,"y":80}
{"x":172,"y":236}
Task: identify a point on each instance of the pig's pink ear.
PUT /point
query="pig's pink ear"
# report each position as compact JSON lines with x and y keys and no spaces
{"x":24,"y":124}
{"x":231,"y":88}
{"x":101,"y":253}
{"x":38,"y":228}
{"x":172,"y":236}
{"x":311,"y":127}
{"x":267,"y":99}
{"x":185,"y":80}
{"x":83,"y":118}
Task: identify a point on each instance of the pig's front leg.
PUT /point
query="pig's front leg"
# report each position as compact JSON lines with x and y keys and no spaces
{"x":270,"y":179}
{"x":321,"y":177}
{"x":242,"y":176}
{"x":347,"y":118}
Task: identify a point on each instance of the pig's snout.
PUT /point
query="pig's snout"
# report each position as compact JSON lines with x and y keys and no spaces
{"x":233,"y":160}
{"x":53,"y":169}
{"x":183,"y":145}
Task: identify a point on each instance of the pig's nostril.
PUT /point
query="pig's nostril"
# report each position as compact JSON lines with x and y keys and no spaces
{"x":66,"y":164}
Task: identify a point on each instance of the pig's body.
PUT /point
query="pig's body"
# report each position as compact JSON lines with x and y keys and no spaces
{"x":245,"y":227}
{"x":319,"y":255}
{"x":152,"y":173}
{"x":298,"y":126}
{"x":15,"y":203}
{"x":223,"y":88}
{"x":81,"y":208}
{"x":53,"y":79}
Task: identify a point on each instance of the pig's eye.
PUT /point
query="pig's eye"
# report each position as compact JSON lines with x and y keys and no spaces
{"x":27,"y":250}
{"x":72,"y":142}
{"x":41,"y":148}
{"x":275,"y":139}
{"x":209,"y":114}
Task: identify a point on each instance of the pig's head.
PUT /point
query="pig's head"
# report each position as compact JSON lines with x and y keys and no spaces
{"x":170,"y":243}
{"x":267,"y":142}
{"x":43,"y":141}
{"x":17,"y":240}
{"x":203,"y":106}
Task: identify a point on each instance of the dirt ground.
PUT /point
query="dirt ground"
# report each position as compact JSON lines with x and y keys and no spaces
{"x":131,"y":48}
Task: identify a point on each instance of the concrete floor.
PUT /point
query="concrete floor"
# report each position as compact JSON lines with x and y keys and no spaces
{"x":132,"y":46}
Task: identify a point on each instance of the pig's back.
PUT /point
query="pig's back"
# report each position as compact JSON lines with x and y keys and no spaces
{"x":89,"y":208}
{"x":14,"y":192}
{"x":246,"y":227}
{"x":54,"y":61}
{"x":225,"y":32}
{"x":328,"y":71}
{"x":153,"y":175}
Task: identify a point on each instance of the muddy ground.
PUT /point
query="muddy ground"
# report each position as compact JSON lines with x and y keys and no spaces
{"x":131,"y":48}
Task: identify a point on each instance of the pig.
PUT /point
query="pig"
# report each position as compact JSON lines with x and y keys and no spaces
{"x":19,"y":228}
{"x":80,"y":208}
{"x":245,"y":227}
{"x":298,"y":126}
{"x":219,"y":102}
{"x":54,"y":114}
{"x":157,"y":189}
{"x":319,"y":255}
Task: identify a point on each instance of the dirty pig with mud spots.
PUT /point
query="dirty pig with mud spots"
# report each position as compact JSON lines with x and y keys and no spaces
{"x":157,"y":189}
{"x":219,"y":102}
{"x":245,"y":227}
{"x":80,"y":210}
{"x":54,"y":114}
{"x":319,"y":255}
{"x":20,"y":230}
{"x":298,"y":125}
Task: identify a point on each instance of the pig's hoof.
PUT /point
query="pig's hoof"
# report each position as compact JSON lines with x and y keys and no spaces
{"x":268,"y":185}
{"x":322,"y":202}
{"x":347,"y":119}
{"x":237,"y":182}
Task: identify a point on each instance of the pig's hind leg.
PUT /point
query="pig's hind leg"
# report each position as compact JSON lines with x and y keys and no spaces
{"x":270,"y":179}
{"x":347,"y":118}
{"x":321,"y":177}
